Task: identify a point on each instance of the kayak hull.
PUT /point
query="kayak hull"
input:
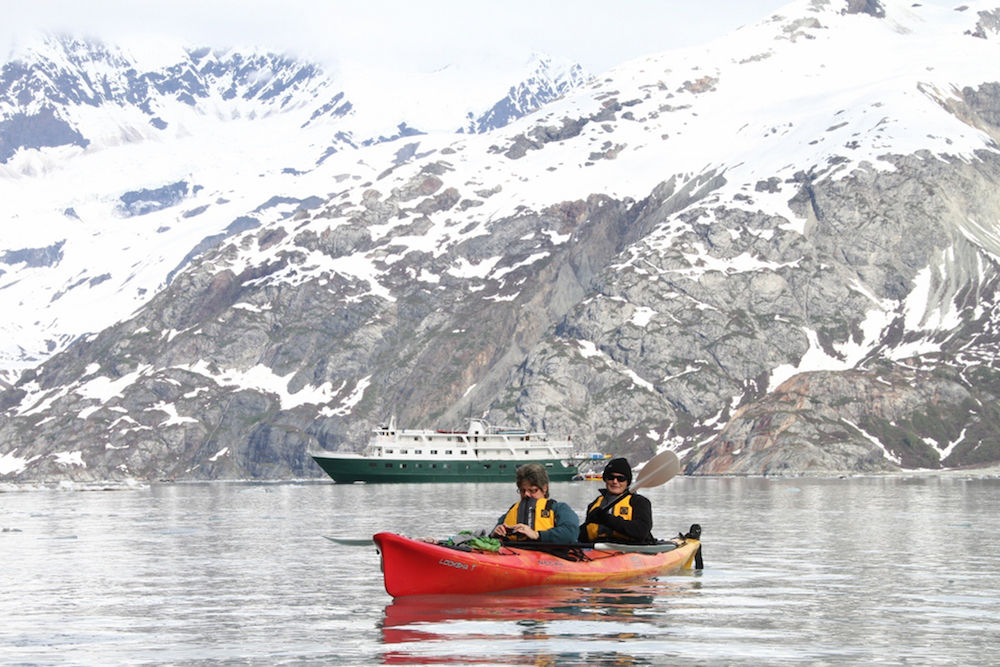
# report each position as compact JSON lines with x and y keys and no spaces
{"x":413,"y":567}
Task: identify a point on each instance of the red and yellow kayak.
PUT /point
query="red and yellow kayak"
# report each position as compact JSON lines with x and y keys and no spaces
{"x":414,"y":567}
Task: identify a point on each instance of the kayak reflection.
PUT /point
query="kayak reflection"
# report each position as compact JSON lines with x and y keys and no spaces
{"x":491,"y":628}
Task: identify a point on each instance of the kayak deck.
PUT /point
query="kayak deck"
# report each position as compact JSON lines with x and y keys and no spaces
{"x":414,"y":567}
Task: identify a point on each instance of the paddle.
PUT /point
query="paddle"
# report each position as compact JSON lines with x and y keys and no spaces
{"x":615,"y":547}
{"x":658,"y":470}
{"x":351,"y":541}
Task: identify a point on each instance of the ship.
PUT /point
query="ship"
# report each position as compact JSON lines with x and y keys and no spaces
{"x":481,"y":453}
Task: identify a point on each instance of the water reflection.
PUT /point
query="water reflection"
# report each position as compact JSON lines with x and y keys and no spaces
{"x":505,"y":628}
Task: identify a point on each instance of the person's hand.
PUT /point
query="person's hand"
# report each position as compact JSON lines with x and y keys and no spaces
{"x":599,"y":515}
{"x":499,"y":531}
{"x":523,"y":529}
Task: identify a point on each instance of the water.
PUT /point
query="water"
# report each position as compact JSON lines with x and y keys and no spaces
{"x":797,"y":571}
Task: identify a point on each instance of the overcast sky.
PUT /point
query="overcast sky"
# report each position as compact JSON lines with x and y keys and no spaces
{"x":420,"y":35}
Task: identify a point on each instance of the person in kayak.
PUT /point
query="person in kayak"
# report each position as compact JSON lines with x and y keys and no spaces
{"x":535,"y":516}
{"x":618,"y":515}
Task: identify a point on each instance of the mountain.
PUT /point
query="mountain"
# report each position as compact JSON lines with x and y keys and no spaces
{"x":777,"y":253}
{"x":149,"y":160}
{"x":548,"y":81}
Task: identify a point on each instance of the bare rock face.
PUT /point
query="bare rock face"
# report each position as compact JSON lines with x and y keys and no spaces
{"x":617,"y":337}
{"x":714,"y":333}
{"x":848,"y":422}
{"x":832,"y":309}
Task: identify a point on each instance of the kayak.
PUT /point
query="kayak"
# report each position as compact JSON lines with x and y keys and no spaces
{"x":415,"y":567}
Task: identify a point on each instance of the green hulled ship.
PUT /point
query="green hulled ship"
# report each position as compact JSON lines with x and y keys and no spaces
{"x":483,"y":453}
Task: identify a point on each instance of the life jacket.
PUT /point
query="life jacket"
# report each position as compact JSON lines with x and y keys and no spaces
{"x":543,"y":518}
{"x":622,"y":508}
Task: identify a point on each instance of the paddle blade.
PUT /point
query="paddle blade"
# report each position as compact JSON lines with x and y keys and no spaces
{"x":658,"y":470}
{"x":352,"y":541}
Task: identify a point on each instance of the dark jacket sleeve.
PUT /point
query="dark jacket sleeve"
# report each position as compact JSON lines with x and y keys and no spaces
{"x":567,"y":524}
{"x":640,"y":528}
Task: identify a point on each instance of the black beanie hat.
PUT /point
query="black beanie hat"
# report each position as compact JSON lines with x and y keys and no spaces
{"x":620,"y":466}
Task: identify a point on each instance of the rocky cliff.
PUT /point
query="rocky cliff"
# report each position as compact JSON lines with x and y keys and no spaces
{"x":777,"y":254}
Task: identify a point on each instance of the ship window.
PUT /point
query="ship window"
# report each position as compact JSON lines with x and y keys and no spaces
{"x":445,"y":465}
{"x":465,"y":451}
{"x":447,"y":452}
{"x":486,"y":466}
{"x":415,"y":438}
{"x":390,"y":451}
{"x":434,"y":451}
{"x":403,"y":465}
{"x":388,"y":465}
{"x":503,"y":465}
{"x":372,"y":464}
{"x":402,"y":451}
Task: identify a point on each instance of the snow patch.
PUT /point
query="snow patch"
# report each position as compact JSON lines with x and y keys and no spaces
{"x":347,"y":405}
{"x":500,"y":273}
{"x":11,"y":464}
{"x":875,"y":441}
{"x":849,"y":353}
{"x":104,"y":388}
{"x":466,"y":269}
{"x":243,"y":305}
{"x":173,"y":418}
{"x":946,"y":452}
{"x":639,"y":381}
{"x":69,"y":458}
{"x":262,"y":378}
{"x":642,"y":316}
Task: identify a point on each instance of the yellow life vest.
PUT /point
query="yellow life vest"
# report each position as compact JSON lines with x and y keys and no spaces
{"x":622,"y":509}
{"x":543,"y":519}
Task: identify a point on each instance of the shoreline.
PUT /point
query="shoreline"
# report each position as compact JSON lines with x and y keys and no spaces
{"x":991,"y":471}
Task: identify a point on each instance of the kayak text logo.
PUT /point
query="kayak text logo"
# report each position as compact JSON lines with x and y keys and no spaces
{"x":455,"y":564}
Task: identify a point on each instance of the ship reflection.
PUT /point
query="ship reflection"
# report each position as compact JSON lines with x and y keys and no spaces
{"x":539,"y":626}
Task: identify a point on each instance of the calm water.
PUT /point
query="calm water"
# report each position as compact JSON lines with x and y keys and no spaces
{"x":797,"y":571}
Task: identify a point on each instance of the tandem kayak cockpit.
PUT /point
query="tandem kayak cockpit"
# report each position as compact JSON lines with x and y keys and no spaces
{"x":418,"y":567}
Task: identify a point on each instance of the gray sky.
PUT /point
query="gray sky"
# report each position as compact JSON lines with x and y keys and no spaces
{"x":419,"y":35}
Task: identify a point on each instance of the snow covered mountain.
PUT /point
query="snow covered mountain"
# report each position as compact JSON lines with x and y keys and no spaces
{"x":546,"y":83}
{"x":147,"y":161}
{"x":776,"y":253}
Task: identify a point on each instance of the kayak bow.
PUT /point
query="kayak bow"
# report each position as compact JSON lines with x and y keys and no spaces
{"x":413,"y":567}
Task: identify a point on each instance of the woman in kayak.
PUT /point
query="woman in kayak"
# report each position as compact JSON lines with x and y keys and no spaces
{"x":536,"y":516}
{"x":618,"y":515}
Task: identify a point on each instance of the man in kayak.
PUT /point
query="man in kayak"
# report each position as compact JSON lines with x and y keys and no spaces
{"x":536,"y":516}
{"x":618,"y":515}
